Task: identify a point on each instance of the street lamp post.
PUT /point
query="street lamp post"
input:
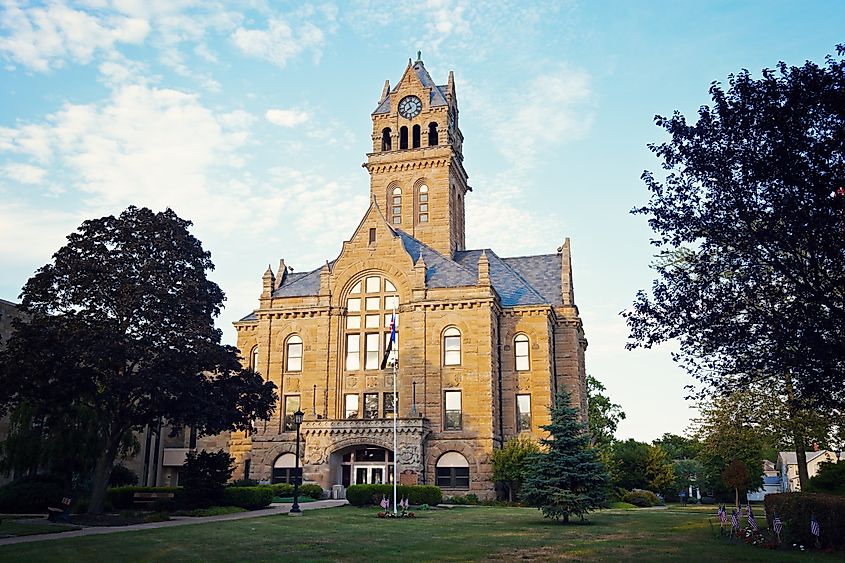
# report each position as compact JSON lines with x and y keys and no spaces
{"x":294,"y":510}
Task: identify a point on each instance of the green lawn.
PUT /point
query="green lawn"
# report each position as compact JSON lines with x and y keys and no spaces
{"x":10,"y":527}
{"x":458,"y":534}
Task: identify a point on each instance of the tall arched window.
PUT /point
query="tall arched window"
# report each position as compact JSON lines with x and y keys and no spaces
{"x":453,"y":471}
{"x":422,"y":206}
{"x":293,"y":353}
{"x":386,"y":141}
{"x":432,"y":134}
{"x":283,"y":469}
{"x":403,"y":137}
{"x":369,"y":307}
{"x":416,"y":136}
{"x":396,"y":206}
{"x":451,"y":347}
{"x":253,"y":359}
{"x":520,"y":352}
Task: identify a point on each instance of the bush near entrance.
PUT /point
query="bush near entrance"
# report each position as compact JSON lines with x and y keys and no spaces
{"x":363,"y":495}
{"x":251,"y":498}
{"x":795,"y":510}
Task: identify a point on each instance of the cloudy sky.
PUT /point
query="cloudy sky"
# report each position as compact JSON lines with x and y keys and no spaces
{"x":252,"y":120}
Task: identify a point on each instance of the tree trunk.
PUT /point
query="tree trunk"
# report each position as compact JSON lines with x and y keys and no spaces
{"x":736,"y":490}
{"x":510,"y":493}
{"x":798,"y":440}
{"x":102,"y":472}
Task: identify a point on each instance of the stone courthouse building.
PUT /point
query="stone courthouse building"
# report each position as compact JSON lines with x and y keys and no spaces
{"x":483,"y":342}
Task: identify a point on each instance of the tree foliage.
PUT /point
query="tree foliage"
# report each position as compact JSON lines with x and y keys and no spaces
{"x":749,"y":219}
{"x":603,"y":415}
{"x":510,"y":463}
{"x":659,"y":472}
{"x":205,"y":476}
{"x":568,"y":478}
{"x":121,"y":327}
{"x":630,"y":458}
{"x":678,"y":447}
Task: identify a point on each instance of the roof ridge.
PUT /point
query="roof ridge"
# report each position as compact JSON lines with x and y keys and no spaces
{"x":529,"y":256}
{"x":421,"y":243}
{"x":299,"y":279}
{"x":517,"y":274}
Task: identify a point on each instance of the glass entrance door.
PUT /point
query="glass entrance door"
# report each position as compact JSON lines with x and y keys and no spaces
{"x":369,"y":474}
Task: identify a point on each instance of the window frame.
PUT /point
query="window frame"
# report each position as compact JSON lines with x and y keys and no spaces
{"x":287,"y":414}
{"x":292,"y":341}
{"x":520,"y":427}
{"x":346,"y":409}
{"x":447,"y":427}
{"x":368,"y":411}
{"x":518,"y":340}
{"x":452,"y":334}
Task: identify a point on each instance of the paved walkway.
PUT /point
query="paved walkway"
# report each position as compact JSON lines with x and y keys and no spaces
{"x":276,"y":508}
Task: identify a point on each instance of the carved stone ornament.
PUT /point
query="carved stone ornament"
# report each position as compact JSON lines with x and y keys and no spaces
{"x":372,"y":381}
{"x":293,"y":384}
{"x":351,"y":382}
{"x":453,"y":380}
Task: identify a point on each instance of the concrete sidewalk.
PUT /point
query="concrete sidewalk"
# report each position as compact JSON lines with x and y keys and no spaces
{"x":276,"y":508}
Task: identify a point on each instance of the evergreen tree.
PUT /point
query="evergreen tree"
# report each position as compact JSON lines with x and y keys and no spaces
{"x":568,"y":478}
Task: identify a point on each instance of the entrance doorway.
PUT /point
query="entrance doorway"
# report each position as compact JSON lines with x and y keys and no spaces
{"x":365,"y":465}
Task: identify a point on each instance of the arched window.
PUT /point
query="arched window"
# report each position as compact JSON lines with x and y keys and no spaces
{"x":369,"y":308}
{"x":403,"y":137}
{"x":284,"y":468}
{"x":253,"y":359}
{"x":416,"y":136}
{"x":453,"y":471}
{"x":386,"y":141}
{"x":294,"y":354}
{"x":451,"y":347}
{"x":422,"y":198}
{"x":520,"y":352}
{"x":396,"y":206}
{"x":432,"y":134}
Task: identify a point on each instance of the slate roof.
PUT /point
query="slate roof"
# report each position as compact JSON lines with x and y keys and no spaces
{"x":522,"y":280}
{"x":437,"y":97}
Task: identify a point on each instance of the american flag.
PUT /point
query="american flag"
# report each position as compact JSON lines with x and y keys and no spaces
{"x":815,"y":529}
{"x":777,"y":524}
{"x":752,"y":522}
{"x":735,"y":519}
{"x":723,"y":514}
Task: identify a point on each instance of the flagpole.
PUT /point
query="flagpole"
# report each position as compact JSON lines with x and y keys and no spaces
{"x":395,"y":419}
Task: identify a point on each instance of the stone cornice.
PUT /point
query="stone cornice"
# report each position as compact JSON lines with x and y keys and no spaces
{"x":364,"y":427}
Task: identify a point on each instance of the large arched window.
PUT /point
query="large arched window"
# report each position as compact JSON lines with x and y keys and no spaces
{"x":432,"y":134}
{"x":369,"y":307}
{"x":416,"y":134}
{"x":284,"y":468}
{"x":386,"y":141}
{"x":422,"y":204}
{"x":453,"y":471}
{"x":293,"y":354}
{"x":403,"y":137}
{"x":396,"y":206}
{"x":520,"y":352}
{"x":451,"y":347}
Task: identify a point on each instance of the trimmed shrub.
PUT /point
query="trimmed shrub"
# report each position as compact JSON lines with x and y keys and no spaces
{"x":641,"y":499}
{"x":31,"y":494}
{"x":311,"y":490}
{"x":204,"y":478}
{"x":251,"y":498}
{"x":122,"y":498}
{"x":363,"y":495}
{"x":122,"y":476}
{"x":795,"y":510}
{"x":243,"y":483}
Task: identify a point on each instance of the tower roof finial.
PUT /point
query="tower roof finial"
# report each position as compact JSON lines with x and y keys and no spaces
{"x":419,"y":56}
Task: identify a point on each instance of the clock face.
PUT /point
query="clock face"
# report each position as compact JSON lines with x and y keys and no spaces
{"x":409,"y":107}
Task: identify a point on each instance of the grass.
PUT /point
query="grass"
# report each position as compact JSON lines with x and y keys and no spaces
{"x":11,"y":527}
{"x":457,"y":534}
{"x":211,"y":511}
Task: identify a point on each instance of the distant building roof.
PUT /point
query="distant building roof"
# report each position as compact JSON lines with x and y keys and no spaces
{"x":791,"y":458}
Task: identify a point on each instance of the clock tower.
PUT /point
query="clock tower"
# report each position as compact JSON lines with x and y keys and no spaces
{"x":417,"y":176}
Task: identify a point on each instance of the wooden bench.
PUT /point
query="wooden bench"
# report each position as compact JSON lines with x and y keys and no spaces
{"x":147,"y":499}
{"x":62,"y":514}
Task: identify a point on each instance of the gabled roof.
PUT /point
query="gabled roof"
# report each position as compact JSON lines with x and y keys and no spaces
{"x":437,"y":96}
{"x":522,"y":280}
{"x":791,"y":458}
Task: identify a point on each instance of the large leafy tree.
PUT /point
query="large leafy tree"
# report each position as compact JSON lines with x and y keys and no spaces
{"x":630,"y":459}
{"x":567,"y":479}
{"x":603,"y":416}
{"x":510,"y":463}
{"x":121,"y":327}
{"x":749,"y":217}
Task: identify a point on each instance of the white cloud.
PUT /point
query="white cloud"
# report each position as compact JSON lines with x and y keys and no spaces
{"x":279,"y":42}
{"x":41,"y":38}
{"x":286,"y":117}
{"x":24,"y":173}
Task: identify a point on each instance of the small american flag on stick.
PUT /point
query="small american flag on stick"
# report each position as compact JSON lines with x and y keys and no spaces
{"x":735,"y":519}
{"x":752,"y":522}
{"x":815,"y":529}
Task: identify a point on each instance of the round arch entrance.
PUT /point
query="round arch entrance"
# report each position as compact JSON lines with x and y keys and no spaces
{"x":363,"y":464}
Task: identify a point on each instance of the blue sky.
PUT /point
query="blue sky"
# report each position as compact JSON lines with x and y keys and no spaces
{"x":252,"y":119}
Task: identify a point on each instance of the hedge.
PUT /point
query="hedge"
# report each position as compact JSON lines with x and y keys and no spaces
{"x":641,"y":499}
{"x":31,"y":494}
{"x":795,"y":510}
{"x":251,"y":498}
{"x":122,"y":498}
{"x":286,"y":490}
{"x":362,"y":495}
